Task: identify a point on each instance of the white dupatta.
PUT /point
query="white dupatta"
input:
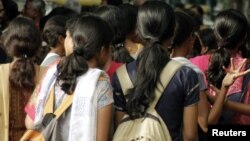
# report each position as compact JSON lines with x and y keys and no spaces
{"x":83,"y":120}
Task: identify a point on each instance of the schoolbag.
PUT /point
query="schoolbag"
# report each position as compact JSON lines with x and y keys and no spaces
{"x":151,"y":127}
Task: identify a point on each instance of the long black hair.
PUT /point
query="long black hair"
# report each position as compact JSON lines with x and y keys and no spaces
{"x":89,"y":35}
{"x":22,"y":40}
{"x":208,"y":39}
{"x":185,"y":27}
{"x":54,"y":27}
{"x":230,"y":29}
{"x":116,"y":18}
{"x":155,"y":25}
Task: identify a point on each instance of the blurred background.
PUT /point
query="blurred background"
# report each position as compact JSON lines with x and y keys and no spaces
{"x":209,"y":7}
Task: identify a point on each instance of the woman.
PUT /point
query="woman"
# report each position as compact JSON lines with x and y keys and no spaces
{"x":207,"y":40}
{"x":156,"y":24}
{"x":18,"y":78}
{"x":183,"y":42}
{"x":87,"y":47}
{"x":230,"y":29}
{"x":54,"y":34}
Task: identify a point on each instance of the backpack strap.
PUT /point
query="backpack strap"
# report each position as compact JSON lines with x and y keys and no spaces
{"x":124,"y":79}
{"x":49,"y":107}
{"x":166,"y":75}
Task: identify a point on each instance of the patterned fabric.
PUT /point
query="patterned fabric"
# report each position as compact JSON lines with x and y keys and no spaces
{"x":16,"y":102}
{"x":17,"y":116}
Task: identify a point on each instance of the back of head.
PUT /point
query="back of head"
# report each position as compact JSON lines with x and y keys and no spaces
{"x":10,"y":9}
{"x":207,"y":39}
{"x":130,"y":12}
{"x":113,"y":15}
{"x":230,"y":28}
{"x":63,"y":11}
{"x":89,"y":35}
{"x":198,"y":11}
{"x":34,"y":8}
{"x":54,"y":28}
{"x":22,"y":40}
{"x":185,"y":27}
{"x":116,"y":18}
{"x":155,"y":22}
{"x":155,"y":25}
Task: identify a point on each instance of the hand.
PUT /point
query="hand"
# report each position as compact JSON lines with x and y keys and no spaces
{"x":210,"y":97}
{"x":233,"y":73}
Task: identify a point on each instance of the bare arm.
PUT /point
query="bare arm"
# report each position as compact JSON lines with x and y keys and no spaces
{"x":190,"y":117}
{"x":238,"y":107}
{"x":217,"y":108}
{"x":103,"y":123}
{"x":203,"y":111}
{"x":118,"y":117}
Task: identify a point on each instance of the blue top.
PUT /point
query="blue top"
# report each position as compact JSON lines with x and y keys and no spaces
{"x":182,"y":90}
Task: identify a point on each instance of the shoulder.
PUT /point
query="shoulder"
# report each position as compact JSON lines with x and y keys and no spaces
{"x":104,"y":77}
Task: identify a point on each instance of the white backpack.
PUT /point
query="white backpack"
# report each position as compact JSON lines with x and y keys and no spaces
{"x":151,"y":127}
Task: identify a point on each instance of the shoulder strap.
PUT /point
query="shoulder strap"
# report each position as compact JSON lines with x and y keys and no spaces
{"x":166,"y":75}
{"x":124,"y":79}
{"x":41,"y":72}
{"x":49,"y":107}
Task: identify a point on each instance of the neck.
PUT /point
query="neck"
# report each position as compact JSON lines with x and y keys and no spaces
{"x":130,"y":46}
{"x":58,"y":50}
{"x":179,"y":51}
{"x":92,"y":63}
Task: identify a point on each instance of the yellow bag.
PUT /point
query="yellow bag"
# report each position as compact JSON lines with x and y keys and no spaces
{"x":151,"y":127}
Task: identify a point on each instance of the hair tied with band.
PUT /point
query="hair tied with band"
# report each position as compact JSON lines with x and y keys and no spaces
{"x":78,"y":51}
{"x":119,"y":45}
{"x":24,"y":56}
{"x":222,"y":43}
{"x":81,"y":51}
{"x":155,"y":42}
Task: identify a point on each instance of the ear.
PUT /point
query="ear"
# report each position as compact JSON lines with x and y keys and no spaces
{"x":204,"y":49}
{"x":103,"y":51}
{"x":61,"y":39}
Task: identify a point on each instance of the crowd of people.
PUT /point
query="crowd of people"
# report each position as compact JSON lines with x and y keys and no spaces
{"x":79,"y":54}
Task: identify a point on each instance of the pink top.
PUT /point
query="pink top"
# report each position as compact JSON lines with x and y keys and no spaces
{"x":203,"y":62}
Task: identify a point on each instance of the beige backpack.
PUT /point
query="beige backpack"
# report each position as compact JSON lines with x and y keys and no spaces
{"x":151,"y":127}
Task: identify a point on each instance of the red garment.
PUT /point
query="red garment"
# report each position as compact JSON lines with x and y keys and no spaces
{"x":113,"y":67}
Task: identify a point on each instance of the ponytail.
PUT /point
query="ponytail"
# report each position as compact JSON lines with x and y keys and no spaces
{"x":215,"y":72}
{"x":69,"y":69}
{"x":22,"y":76}
{"x":150,"y":63}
